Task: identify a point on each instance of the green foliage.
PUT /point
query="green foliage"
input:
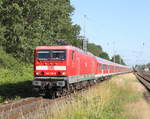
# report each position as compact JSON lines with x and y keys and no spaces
{"x":115,"y":107}
{"x":15,"y":78}
{"x":2,"y":29}
{"x":35,"y":22}
{"x":117,"y":59}
{"x":7,"y":61}
{"x":97,"y":51}
{"x":15,"y":84}
{"x":104,"y":55}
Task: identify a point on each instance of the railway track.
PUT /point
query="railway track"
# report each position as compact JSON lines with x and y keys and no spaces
{"x":23,"y":108}
{"x":19,"y":108}
{"x":144,"y":78}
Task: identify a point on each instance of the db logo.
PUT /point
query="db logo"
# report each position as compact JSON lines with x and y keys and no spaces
{"x":51,"y":67}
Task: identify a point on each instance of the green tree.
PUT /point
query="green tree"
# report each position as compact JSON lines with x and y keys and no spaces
{"x":95,"y":49}
{"x":104,"y":55}
{"x":2,"y":39}
{"x":117,"y":59}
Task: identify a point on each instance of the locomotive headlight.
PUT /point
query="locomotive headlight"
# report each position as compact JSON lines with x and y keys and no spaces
{"x":47,"y":73}
{"x":63,"y":73}
{"x":37,"y":73}
{"x":60,"y":83}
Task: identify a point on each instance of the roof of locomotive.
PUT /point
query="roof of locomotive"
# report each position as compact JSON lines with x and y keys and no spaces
{"x":53,"y":47}
{"x":68,"y":47}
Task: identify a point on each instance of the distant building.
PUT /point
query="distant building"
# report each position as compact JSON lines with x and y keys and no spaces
{"x":146,"y":68}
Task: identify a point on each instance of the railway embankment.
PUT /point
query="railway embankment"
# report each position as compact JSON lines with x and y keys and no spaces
{"x":15,"y":78}
{"x":122,"y":97}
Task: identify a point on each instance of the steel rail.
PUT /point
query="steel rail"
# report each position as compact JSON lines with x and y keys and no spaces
{"x":144,"y":78}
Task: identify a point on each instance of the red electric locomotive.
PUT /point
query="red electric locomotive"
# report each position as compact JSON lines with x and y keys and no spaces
{"x":58,"y":69}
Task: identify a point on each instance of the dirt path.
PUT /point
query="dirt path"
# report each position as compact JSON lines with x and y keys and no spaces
{"x":141,"y":108}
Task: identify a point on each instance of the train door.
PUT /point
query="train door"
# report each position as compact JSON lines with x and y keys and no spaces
{"x":93,"y":69}
{"x":77,"y":64}
{"x":98,"y":68}
{"x":108,"y":69}
{"x":73,"y":63}
{"x":102,"y":68}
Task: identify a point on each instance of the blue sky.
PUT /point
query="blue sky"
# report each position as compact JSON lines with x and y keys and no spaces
{"x":119,"y":26}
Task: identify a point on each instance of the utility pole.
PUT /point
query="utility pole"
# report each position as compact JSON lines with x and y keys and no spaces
{"x":84,"y":24}
{"x":85,"y":40}
{"x":114,"y":52}
{"x":85,"y":43}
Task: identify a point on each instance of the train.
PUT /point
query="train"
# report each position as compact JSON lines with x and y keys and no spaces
{"x":62,"y":69}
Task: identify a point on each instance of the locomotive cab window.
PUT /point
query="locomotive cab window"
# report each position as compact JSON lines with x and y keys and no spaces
{"x":58,"y":55}
{"x":43,"y":55}
{"x":51,"y":55}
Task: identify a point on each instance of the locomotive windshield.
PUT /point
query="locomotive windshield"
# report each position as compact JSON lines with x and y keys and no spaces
{"x":51,"y":55}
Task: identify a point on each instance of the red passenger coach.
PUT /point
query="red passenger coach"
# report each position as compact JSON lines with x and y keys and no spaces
{"x":58,"y":69}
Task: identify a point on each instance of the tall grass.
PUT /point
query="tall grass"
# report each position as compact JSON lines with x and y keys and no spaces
{"x":15,"y":78}
{"x":101,"y":102}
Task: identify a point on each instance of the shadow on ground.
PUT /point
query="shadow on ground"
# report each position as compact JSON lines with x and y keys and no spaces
{"x":16,"y":90}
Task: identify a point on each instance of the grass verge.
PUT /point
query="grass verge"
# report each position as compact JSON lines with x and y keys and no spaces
{"x":105,"y":101}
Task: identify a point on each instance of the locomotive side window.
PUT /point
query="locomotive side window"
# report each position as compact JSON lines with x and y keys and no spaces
{"x":113,"y":68}
{"x":108,"y":67}
{"x":73,"y":55}
{"x":100,"y":66}
{"x":103,"y":66}
{"x":51,"y":55}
